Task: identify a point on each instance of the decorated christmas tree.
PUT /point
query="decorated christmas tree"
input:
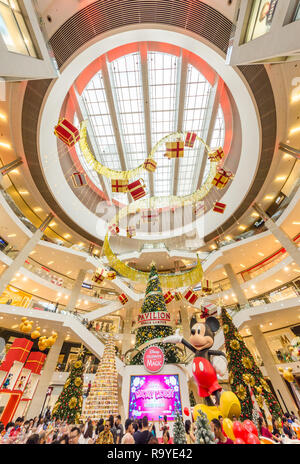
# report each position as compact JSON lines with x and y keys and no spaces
{"x":243,"y":372}
{"x":69,"y":404}
{"x":179,"y":430}
{"x":154,"y":302}
{"x":103,"y":397}
{"x":203,"y":432}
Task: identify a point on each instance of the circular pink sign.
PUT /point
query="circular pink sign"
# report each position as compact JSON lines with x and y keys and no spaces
{"x":154,"y":359}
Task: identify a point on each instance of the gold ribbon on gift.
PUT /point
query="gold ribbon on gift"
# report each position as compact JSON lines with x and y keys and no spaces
{"x":123,"y":175}
{"x":185,"y":279}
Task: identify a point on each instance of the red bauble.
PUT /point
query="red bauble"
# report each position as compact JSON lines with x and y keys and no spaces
{"x":252,"y":439}
{"x":249,"y":427}
{"x":238,"y":430}
{"x":186,"y":411}
{"x":239,"y":441}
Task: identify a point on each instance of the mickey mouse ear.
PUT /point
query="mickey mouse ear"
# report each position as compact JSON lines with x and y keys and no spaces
{"x":193,"y":322}
{"x":213,"y":323}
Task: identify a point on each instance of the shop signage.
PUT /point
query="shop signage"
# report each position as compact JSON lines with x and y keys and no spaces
{"x":154,"y":359}
{"x":154,"y":318}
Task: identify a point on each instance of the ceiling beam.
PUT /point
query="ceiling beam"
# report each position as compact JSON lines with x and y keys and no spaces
{"x":82,"y":115}
{"x":180,"y":101}
{"x":147,"y":116}
{"x":207,"y":132}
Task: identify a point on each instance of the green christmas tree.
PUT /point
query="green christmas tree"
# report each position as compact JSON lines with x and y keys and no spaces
{"x":154,"y":301}
{"x":243,"y":371}
{"x":179,"y":430}
{"x":192,"y":399}
{"x":203,"y":432}
{"x":69,"y":404}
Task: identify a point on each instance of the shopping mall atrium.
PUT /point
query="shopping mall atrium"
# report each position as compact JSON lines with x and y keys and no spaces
{"x":149,"y":188}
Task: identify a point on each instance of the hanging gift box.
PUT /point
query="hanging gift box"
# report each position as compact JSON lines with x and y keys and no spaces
{"x":150,"y":165}
{"x":137,"y":189}
{"x":114,"y":229}
{"x":150,"y":215}
{"x":206,"y":286}
{"x":190,"y":139}
{"x":131,"y":231}
{"x":191,"y":296}
{"x":199,"y":209}
{"x":168,"y":297}
{"x":178,"y":296}
{"x":35,"y":362}
{"x":217,"y":155}
{"x":123,"y":298}
{"x":119,"y":186}
{"x":174,"y":149}
{"x":204,"y":313}
{"x":219,"y":207}
{"x":99,"y":275}
{"x":111,"y":275}
{"x":220,"y":181}
{"x":79,"y":179}
{"x":66,"y":132}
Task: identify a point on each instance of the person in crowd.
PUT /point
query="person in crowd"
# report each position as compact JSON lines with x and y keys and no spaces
{"x":234,"y":418}
{"x":105,"y":437}
{"x":100,"y":426}
{"x":34,"y":439}
{"x":142,"y":437}
{"x":166,"y":437}
{"x":153,"y":441}
{"x":42,"y":436}
{"x":189,"y":435}
{"x":276,"y":428}
{"x":264,"y":431}
{"x":74,"y":436}
{"x":128,"y":439}
{"x":163,"y":424}
{"x":64,"y":440}
{"x":135,"y":425}
{"x":153,"y":429}
{"x":40,"y":425}
{"x":138,"y":431}
{"x":118,"y":431}
{"x":217,"y":429}
{"x":287,"y":430}
{"x":88,"y":436}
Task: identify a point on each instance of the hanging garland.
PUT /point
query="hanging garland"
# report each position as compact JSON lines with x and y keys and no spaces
{"x":129,"y":174}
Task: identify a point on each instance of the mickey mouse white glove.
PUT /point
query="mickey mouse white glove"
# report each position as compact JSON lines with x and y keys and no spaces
{"x":220,"y":365}
{"x":176,"y":338}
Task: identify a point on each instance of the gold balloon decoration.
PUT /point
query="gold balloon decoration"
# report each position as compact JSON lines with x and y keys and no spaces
{"x":287,"y":374}
{"x":227,"y":425}
{"x":36,"y":333}
{"x":26,"y":325}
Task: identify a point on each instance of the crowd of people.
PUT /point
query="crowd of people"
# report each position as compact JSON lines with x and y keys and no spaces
{"x":44,"y":430}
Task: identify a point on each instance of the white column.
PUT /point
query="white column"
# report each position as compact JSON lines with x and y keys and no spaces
{"x":281,"y":236}
{"x":46,"y":377}
{"x":239,"y":293}
{"x":282,"y":392}
{"x":18,"y":262}
{"x":76,"y":290}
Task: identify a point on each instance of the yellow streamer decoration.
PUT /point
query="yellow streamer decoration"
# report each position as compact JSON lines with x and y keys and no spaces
{"x":186,"y":279}
{"x":122,"y":175}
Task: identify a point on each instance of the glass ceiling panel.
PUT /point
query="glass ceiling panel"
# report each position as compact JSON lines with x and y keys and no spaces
{"x":125,"y":75}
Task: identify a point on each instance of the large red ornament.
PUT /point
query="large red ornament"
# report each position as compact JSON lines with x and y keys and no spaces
{"x":250,"y":427}
{"x":252,"y":439}
{"x":186,"y":411}
{"x":239,"y":441}
{"x":238,"y":430}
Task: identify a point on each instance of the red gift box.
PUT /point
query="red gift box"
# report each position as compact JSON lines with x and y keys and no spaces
{"x":19,"y":351}
{"x":219,"y":207}
{"x":174,"y":149}
{"x":114,"y":229}
{"x":66,"y":132}
{"x":168,"y":297}
{"x":206,"y":285}
{"x":190,"y":139}
{"x":99,"y":276}
{"x":119,"y":186}
{"x":79,"y":179}
{"x":216,"y":155}
{"x":137,"y":189}
{"x":150,"y":165}
{"x":35,"y":362}
{"x":191,"y":296}
{"x":123,"y":298}
{"x":199,"y":208}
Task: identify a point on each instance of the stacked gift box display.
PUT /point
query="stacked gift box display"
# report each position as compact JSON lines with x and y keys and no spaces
{"x":103,"y":397}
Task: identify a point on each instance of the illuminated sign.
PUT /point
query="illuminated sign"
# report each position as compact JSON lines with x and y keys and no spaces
{"x":154,"y":318}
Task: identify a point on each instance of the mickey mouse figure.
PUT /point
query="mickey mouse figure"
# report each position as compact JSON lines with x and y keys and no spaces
{"x":205,"y":373}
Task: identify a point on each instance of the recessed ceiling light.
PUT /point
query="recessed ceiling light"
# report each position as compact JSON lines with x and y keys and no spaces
{"x":270,"y":323}
{"x":279,"y":281}
{"x":3,"y":117}
{"x":286,"y":269}
{"x":242,"y":227}
{"x":242,"y":265}
{"x":23,"y":192}
{"x":12,"y":235}
{"x":52,"y":224}
{"x":66,"y":235}
{"x":255,"y":215}
{"x":228,"y":238}
{"x":260,"y":254}
{"x":269,"y":197}
{"x":5,"y":145}
{"x":280,"y":178}
{"x":295,"y":130}
{"x":37,"y":209}
{"x":50,"y":262}
{"x":296,"y":223}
